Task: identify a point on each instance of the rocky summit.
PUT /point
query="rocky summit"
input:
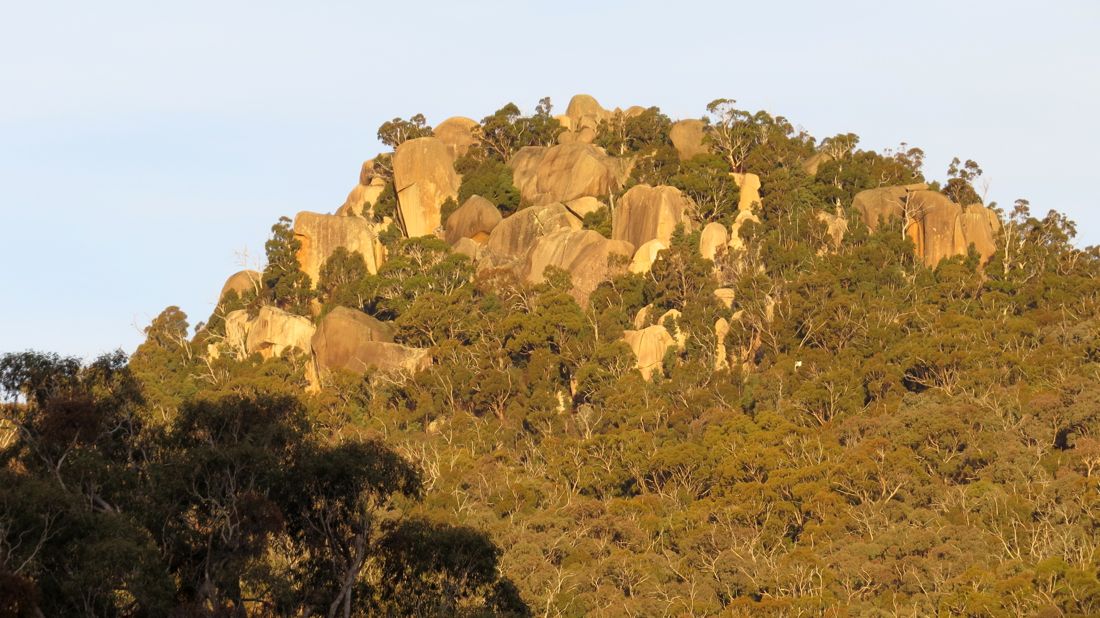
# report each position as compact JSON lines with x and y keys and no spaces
{"x":595,"y":363}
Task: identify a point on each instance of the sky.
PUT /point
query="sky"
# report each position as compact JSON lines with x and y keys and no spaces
{"x":146,"y":148}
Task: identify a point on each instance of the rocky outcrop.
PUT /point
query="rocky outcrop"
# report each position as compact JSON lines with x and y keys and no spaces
{"x":457,"y":133}
{"x":242,"y":282}
{"x":876,"y":206}
{"x":938,"y":227}
{"x":749,"y":185}
{"x":514,"y":236}
{"x":646,"y":255}
{"x":320,"y":235}
{"x":475,"y":219}
{"x":566,"y":172}
{"x":721,"y":353}
{"x":646,"y":213}
{"x":583,"y":253}
{"x":470,"y":248}
{"x":584,"y":205}
{"x":744,"y":216}
{"x":649,"y":346}
{"x":687,"y":137}
{"x":836,"y":226}
{"x":581,"y":120}
{"x":424,"y":177}
{"x":274,"y":332}
{"x":350,"y":340}
{"x":365,"y":194}
{"x":237,"y":324}
{"x":713,"y":240}
{"x":725,"y":296}
{"x":815,"y":161}
{"x":979,"y":226}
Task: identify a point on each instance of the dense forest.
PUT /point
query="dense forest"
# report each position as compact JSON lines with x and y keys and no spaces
{"x":839,"y":424}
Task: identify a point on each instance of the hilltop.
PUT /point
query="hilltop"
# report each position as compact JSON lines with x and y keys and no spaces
{"x":608,"y":363}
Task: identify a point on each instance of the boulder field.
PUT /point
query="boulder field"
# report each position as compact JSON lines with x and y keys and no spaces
{"x":559,"y":186}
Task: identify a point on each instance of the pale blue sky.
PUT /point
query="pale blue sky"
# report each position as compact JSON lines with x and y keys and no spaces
{"x":143,"y":144}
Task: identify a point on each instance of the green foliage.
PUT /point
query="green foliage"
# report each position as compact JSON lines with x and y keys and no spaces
{"x":599,"y":220}
{"x":878,"y":434}
{"x":642,"y":133}
{"x":508,"y":130}
{"x":491,"y":179}
{"x":395,"y":132}
{"x":284,"y":283}
{"x":960,"y":184}
{"x":706,"y":180}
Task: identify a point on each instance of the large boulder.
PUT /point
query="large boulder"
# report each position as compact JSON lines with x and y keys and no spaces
{"x":514,"y":236}
{"x":424,"y":177}
{"x":457,"y":134}
{"x":979,"y":225}
{"x":566,"y":172}
{"x":879,"y":205}
{"x":815,"y":161}
{"x":241,"y":282}
{"x":649,"y":346}
{"x":749,"y":185}
{"x":584,"y":111}
{"x":687,"y":137}
{"x":364,"y":195}
{"x":320,"y":235}
{"x":582,"y":253}
{"x":274,"y":332}
{"x":646,"y":255}
{"x":721,"y":354}
{"x":646,"y":213}
{"x":237,"y":325}
{"x":743,"y":216}
{"x":712,"y":240}
{"x":475,"y":219}
{"x":935,"y":230}
{"x":584,"y":205}
{"x":836,"y":226}
{"x":350,"y":340}
{"x":938,"y":227}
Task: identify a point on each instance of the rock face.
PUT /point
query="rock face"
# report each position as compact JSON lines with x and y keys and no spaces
{"x":584,"y":205}
{"x":241,"y":282}
{"x":581,"y":120}
{"x":725,"y":296}
{"x":514,"y":236}
{"x":237,"y":324}
{"x":646,"y":213}
{"x":815,"y":161}
{"x":646,"y":255}
{"x":469,"y":247}
{"x":687,"y":137}
{"x":979,"y":225}
{"x":566,"y":172}
{"x":351,"y":340}
{"x":938,"y":227}
{"x":649,"y":346}
{"x":457,"y":133}
{"x":275,"y":331}
{"x":882,"y":203}
{"x":721,"y":354}
{"x":713,"y":239}
{"x":475,"y":219}
{"x":583,"y":253}
{"x":836,"y":226}
{"x":743,"y":217}
{"x":749,"y":184}
{"x":320,"y":235}
{"x":365,"y":194}
{"x":424,"y":177}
